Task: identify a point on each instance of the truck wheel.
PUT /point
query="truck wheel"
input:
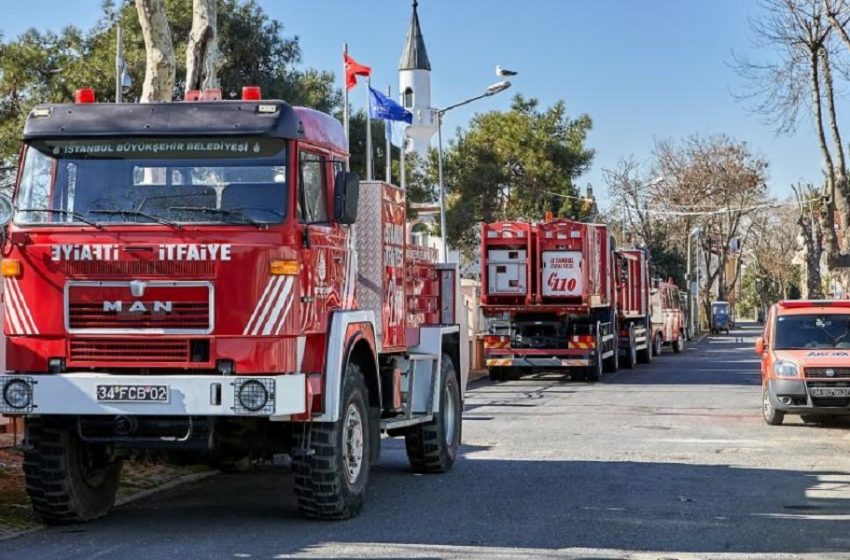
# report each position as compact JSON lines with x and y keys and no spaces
{"x":630,"y":354}
{"x":679,"y":345}
{"x":645,"y":355}
{"x":67,"y":479}
{"x":594,"y":372}
{"x":432,"y":447}
{"x":772,"y":417}
{"x":497,"y":374}
{"x":657,"y":344}
{"x":330,"y":462}
{"x":612,"y":364}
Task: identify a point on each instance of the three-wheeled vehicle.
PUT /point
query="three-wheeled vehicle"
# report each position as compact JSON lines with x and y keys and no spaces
{"x":720,"y":317}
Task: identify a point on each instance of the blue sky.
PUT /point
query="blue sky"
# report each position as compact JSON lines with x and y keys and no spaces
{"x":644,"y":71}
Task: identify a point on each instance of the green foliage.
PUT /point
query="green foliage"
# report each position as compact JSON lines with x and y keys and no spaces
{"x":668,"y":262}
{"x":514,"y":164}
{"x":47,"y":67}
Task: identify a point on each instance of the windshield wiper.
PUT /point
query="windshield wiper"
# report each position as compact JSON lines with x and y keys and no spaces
{"x":222,"y":212}
{"x":76,"y":215}
{"x":139,"y":213}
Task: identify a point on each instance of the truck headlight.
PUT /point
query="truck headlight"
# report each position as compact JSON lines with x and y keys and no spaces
{"x":18,"y":394}
{"x":785,"y":369}
{"x":254,"y":395}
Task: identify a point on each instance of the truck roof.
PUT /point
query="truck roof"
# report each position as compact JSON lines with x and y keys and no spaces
{"x":271,"y":118}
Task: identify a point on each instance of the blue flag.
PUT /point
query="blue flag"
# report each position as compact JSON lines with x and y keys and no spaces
{"x":382,"y":107}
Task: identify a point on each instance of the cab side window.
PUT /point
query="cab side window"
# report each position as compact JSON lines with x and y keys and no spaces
{"x":312,"y":192}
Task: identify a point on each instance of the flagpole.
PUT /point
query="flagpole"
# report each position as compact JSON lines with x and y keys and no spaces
{"x":368,"y":130}
{"x":345,"y":109}
{"x":389,"y":156}
{"x":119,"y":64}
{"x":402,"y":178}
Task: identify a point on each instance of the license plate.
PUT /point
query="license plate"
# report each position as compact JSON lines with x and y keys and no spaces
{"x":133,"y":393}
{"x":830,"y":391}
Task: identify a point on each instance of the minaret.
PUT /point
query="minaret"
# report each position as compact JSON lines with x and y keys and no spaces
{"x":414,"y":84}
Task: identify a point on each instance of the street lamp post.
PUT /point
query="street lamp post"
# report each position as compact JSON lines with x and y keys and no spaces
{"x":692,"y":328}
{"x":492,"y":89}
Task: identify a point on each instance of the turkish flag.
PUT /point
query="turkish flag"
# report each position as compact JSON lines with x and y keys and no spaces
{"x":354,"y":69}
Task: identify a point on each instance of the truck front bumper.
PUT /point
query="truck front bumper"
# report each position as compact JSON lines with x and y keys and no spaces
{"x":80,"y":394}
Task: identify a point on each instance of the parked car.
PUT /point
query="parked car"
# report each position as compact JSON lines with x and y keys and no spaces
{"x":805,"y":360}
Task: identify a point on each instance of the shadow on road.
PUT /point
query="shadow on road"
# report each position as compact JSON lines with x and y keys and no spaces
{"x":484,"y":502}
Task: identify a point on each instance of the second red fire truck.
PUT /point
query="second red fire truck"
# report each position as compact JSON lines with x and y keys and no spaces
{"x":557,"y":295}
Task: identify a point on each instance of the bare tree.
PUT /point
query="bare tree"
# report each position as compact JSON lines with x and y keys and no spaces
{"x":160,"y":67}
{"x":803,"y":33}
{"x":203,"y":58}
{"x":810,"y":237}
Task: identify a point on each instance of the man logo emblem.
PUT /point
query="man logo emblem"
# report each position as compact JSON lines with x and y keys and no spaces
{"x":830,"y":373}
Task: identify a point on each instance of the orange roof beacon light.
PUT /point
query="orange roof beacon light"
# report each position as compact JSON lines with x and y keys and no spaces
{"x":84,"y":95}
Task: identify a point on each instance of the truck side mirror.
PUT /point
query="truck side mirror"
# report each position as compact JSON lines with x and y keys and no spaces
{"x":760,"y":345}
{"x":346,"y":195}
{"x":7,"y":209}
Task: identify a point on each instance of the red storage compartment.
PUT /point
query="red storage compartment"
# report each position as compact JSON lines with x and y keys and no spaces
{"x":507,"y":262}
{"x":574,"y":263}
{"x":632,"y":282}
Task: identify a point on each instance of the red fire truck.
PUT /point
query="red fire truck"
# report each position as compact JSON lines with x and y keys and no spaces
{"x":668,"y":317}
{"x":207,"y":279}
{"x":633,"y":306}
{"x":549,"y":297}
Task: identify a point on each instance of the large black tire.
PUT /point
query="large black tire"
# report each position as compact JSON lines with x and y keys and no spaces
{"x":657,"y":344}
{"x":645,"y":356}
{"x":432,"y":447}
{"x":679,"y":345}
{"x":612,"y":364}
{"x":595,"y":370}
{"x":772,"y":417}
{"x":67,"y":479}
{"x":331,"y":460}
{"x":500,"y":373}
{"x":630,"y":357}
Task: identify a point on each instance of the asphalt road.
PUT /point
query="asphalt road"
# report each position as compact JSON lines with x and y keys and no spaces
{"x":669,"y":461}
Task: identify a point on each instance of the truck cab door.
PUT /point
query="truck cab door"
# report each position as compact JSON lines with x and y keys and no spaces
{"x":324,"y":254}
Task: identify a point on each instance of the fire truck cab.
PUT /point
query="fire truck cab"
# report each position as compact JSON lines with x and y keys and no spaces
{"x":668,"y":317}
{"x":207,"y":279}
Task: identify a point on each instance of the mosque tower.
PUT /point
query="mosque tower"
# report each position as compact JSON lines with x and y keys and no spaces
{"x":414,"y":80}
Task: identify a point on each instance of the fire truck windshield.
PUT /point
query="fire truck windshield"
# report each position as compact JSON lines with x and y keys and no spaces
{"x":153,"y":181}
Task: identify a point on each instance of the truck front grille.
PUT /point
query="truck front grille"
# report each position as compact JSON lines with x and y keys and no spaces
{"x":97,"y":352}
{"x":187,"y":315}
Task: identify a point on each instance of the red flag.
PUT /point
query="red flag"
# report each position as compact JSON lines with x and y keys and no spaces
{"x":354,"y":69}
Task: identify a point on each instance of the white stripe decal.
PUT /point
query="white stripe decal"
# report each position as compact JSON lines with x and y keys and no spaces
{"x":258,"y":306}
{"x":285,"y":313}
{"x":27,"y":316}
{"x":272,"y":300}
{"x":281,"y":299}
{"x":12,"y":311}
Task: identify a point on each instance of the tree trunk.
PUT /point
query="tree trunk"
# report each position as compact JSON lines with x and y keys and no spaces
{"x":842,"y":205}
{"x":203,"y":58}
{"x":829,"y":166}
{"x":159,"y":68}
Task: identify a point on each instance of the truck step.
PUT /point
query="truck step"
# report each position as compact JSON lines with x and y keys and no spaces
{"x":404,"y":421}
{"x":420,"y":357}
